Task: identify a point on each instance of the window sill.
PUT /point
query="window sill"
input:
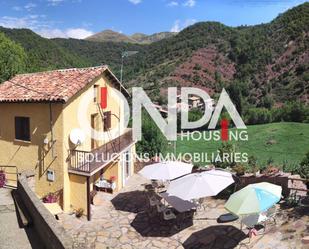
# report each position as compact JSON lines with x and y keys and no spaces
{"x":22,"y":141}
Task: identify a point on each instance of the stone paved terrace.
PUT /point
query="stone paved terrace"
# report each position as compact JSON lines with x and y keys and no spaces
{"x":124,"y":222}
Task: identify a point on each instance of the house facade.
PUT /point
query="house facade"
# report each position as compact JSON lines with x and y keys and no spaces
{"x":39,"y":111}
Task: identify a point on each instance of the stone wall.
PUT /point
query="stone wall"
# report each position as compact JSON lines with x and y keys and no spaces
{"x":281,"y":179}
{"x":50,"y":231}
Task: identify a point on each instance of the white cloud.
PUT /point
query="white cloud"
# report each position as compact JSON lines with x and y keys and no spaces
{"x":77,"y":33}
{"x":135,"y":1}
{"x":30,"y":22}
{"x":38,"y":24}
{"x":54,"y":2}
{"x":17,"y":8}
{"x":189,"y":22}
{"x":173,"y":4}
{"x":190,"y":3}
{"x":178,"y":25}
{"x":30,"y":6}
{"x":52,"y":33}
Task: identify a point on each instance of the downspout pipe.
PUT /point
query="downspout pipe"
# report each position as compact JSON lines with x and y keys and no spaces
{"x":51,"y":129}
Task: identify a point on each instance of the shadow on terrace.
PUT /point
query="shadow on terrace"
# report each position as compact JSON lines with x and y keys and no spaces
{"x":133,"y":202}
{"x":217,"y":237}
{"x":148,"y":221}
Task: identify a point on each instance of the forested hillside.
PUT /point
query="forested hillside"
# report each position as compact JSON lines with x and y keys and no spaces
{"x":261,"y":66}
{"x":42,"y":54}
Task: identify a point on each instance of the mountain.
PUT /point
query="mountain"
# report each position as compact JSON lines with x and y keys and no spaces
{"x":268,"y":61}
{"x":147,"y":39}
{"x":112,"y":36}
{"x":98,"y":53}
{"x":263,"y":63}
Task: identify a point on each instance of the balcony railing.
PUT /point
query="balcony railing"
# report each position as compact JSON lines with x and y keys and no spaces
{"x":90,"y":161}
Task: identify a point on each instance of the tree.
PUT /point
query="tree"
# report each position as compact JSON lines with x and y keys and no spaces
{"x":153,"y":141}
{"x":267,"y":102}
{"x":235,"y":94}
{"x":12,"y":58}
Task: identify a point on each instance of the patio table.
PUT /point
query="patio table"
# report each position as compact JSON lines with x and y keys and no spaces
{"x":105,"y":185}
{"x":179,"y":204}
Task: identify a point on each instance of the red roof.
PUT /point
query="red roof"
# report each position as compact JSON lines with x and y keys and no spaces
{"x":57,"y":85}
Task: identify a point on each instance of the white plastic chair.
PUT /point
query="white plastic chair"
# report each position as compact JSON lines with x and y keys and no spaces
{"x":271,"y":214}
{"x":160,"y":208}
{"x":168,"y":215}
{"x":153,"y":201}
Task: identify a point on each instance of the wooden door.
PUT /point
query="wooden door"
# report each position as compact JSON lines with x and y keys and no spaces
{"x":94,"y":125}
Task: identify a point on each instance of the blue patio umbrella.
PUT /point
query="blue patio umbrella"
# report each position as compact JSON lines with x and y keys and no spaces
{"x":253,"y":199}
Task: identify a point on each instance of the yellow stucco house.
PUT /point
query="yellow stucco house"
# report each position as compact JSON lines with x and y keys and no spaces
{"x":38,"y":113}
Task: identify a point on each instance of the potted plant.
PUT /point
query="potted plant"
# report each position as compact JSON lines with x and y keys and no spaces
{"x":239,"y":169}
{"x":271,"y":170}
{"x":50,"y":198}
{"x":79,"y":212}
{"x":113,"y":182}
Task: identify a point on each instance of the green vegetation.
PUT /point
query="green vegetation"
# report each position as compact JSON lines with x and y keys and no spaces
{"x":42,"y":54}
{"x":267,"y":57}
{"x":153,"y":141}
{"x":283,"y":144}
{"x":294,"y":111}
{"x":304,"y":167}
{"x":12,"y":58}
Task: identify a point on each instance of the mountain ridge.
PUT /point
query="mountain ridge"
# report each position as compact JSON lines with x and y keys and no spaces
{"x":139,"y":38}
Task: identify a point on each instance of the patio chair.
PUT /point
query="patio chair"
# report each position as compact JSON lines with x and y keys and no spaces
{"x":168,"y":215}
{"x":199,"y":204}
{"x":271,"y":214}
{"x":160,"y":207}
{"x":252,"y":220}
{"x":154,"y":183}
{"x":153,"y":201}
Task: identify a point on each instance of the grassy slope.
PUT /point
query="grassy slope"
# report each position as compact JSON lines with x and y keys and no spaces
{"x":292,"y":142}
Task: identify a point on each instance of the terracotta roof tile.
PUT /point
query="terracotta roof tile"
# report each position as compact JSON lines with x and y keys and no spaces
{"x":57,"y":85}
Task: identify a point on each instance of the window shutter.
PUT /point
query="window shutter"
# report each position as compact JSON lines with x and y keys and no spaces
{"x":107,"y":120}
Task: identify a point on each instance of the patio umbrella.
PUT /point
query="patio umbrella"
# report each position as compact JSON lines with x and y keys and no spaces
{"x":253,"y":199}
{"x":166,"y":170}
{"x":198,"y":185}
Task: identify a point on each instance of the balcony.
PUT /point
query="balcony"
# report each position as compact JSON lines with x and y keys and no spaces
{"x":90,"y":162}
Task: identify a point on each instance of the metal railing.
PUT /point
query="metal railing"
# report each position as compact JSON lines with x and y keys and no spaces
{"x":89,"y":161}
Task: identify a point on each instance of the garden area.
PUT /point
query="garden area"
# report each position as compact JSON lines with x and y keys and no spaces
{"x":282,"y":144}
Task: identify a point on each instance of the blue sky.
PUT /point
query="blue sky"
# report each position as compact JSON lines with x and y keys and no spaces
{"x":81,"y":18}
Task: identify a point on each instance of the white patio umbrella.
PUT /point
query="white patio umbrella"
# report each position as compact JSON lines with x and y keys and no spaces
{"x":166,"y":170}
{"x":198,"y":185}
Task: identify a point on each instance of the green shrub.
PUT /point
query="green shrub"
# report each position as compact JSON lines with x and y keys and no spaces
{"x":258,"y":116}
{"x":227,"y":148}
{"x":153,"y":141}
{"x":303,"y":170}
